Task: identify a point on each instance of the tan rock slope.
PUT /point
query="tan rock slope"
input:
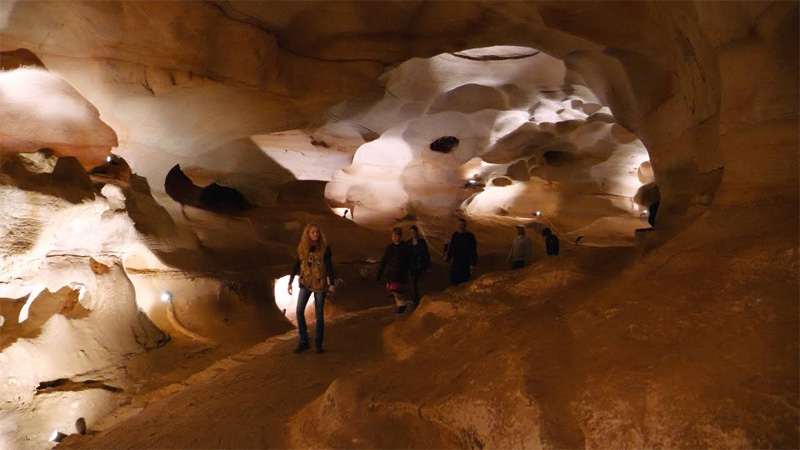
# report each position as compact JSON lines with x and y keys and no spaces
{"x":126,"y":286}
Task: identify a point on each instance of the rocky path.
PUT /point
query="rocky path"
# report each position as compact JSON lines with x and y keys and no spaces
{"x":246,"y":400}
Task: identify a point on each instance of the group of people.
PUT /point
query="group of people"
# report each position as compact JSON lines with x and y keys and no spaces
{"x":521,"y":252}
{"x":403,"y":263}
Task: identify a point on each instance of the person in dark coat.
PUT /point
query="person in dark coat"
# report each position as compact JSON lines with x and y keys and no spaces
{"x":396,"y":264}
{"x":462,"y":253}
{"x":420,"y":260}
{"x":550,"y":242}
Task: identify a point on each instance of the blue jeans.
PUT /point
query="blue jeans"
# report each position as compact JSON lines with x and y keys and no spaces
{"x":319,"y":307}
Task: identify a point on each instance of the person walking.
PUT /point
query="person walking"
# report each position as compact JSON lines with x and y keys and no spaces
{"x":420,"y":260}
{"x":396,"y":263}
{"x":462,"y":253}
{"x":314,"y":263}
{"x":550,"y":242}
{"x":521,"y":250}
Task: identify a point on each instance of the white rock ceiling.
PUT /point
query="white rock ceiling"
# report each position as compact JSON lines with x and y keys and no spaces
{"x":178,"y":80}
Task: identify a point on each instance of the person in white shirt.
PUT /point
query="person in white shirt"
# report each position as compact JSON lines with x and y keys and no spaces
{"x":521,"y":250}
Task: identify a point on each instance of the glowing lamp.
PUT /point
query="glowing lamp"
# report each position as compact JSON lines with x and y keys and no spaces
{"x":644,"y":213}
{"x":472,"y":181}
{"x":538,"y":214}
{"x":166,"y":296}
{"x":57,"y":436}
{"x":108,"y":159}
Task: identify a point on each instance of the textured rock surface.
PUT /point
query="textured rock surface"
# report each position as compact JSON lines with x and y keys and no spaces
{"x":144,"y":74}
{"x":41,"y":110}
{"x":585,"y":111}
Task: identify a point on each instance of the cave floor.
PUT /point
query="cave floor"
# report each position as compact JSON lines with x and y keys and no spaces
{"x":246,"y":400}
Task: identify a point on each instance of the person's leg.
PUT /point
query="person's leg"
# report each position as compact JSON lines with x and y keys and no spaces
{"x":319,"y":309}
{"x":402,"y":304}
{"x":415,"y":287}
{"x":401,"y":299}
{"x":302,"y":300}
{"x":459,"y":272}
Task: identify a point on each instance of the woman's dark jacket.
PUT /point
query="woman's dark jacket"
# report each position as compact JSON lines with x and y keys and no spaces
{"x":396,"y":263}
{"x":421,"y":258}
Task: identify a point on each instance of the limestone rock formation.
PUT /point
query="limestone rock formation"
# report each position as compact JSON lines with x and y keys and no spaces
{"x":42,"y":110}
{"x":670,"y":329}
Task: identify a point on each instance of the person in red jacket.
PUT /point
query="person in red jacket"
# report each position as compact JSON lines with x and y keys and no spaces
{"x":396,"y":263}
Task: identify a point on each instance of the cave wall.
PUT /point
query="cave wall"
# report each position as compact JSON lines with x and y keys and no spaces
{"x":710,"y":88}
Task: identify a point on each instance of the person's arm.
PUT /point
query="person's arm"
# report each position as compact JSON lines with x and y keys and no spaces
{"x":449,"y":252}
{"x":474,"y":251}
{"x":412,"y":264}
{"x":328,"y":260}
{"x":383,"y":264}
{"x":295,"y":271}
{"x":424,"y":255}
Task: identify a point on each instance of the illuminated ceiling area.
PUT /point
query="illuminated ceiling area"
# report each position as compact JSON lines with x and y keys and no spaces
{"x":159,"y":161}
{"x":529,"y":136}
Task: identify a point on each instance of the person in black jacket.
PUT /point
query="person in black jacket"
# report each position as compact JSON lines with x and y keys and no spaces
{"x":395,"y":264}
{"x":420,"y":259}
{"x":462,"y":253}
{"x":550,"y":242}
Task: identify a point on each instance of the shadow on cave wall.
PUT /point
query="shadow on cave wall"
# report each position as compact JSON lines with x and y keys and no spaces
{"x":62,"y":177}
{"x":213,"y":197}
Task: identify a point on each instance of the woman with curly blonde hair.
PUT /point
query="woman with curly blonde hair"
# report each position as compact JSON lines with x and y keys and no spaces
{"x":314,"y":263}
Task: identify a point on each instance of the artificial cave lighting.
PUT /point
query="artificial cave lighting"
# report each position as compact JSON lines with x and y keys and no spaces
{"x":57,"y":436}
{"x":286,"y":302}
{"x":166,"y":296}
{"x":343,"y":212}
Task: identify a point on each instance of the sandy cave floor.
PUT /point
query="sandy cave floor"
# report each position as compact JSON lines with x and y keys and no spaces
{"x":252,"y":399}
{"x":244,"y":401}
{"x":180,"y":381}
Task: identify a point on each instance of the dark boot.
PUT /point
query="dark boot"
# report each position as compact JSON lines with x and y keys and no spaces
{"x":301,"y":347}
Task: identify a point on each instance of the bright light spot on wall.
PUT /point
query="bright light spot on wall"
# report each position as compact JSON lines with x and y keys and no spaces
{"x":538,"y":214}
{"x":343,"y":212}
{"x":42,"y":94}
{"x":81,"y":289}
{"x":23,"y":313}
{"x":288,"y":303}
{"x":166,"y":296}
{"x":57,"y":436}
